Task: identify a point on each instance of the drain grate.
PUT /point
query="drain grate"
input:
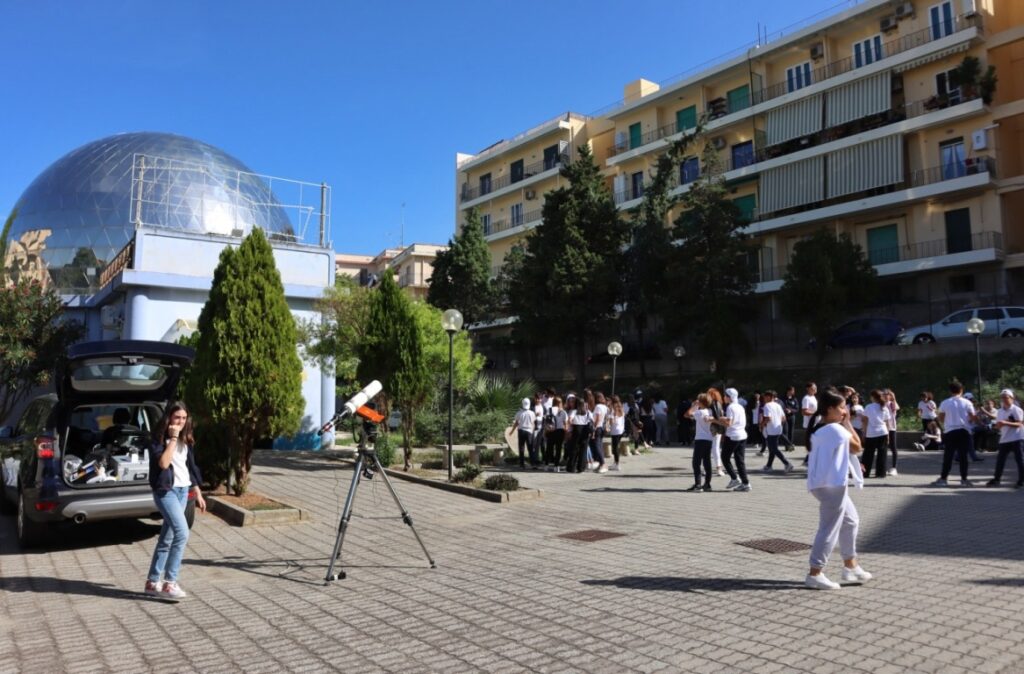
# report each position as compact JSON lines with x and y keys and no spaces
{"x":590,"y":535}
{"x":775,"y":545}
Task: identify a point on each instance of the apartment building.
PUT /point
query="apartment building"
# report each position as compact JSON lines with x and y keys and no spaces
{"x":411,"y":265}
{"x":852,"y":123}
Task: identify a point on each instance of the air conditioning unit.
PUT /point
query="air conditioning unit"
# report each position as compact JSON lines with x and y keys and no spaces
{"x":817,"y":51}
{"x":888,"y":24}
{"x":718,"y":142}
{"x":970,"y":8}
{"x":530,"y":194}
{"x":905,"y":10}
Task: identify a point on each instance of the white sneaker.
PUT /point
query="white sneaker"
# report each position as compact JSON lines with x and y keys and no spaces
{"x":733,"y":484}
{"x":590,"y":465}
{"x":820,"y":582}
{"x":742,"y":487}
{"x":602,"y":468}
{"x":721,"y":473}
{"x":892,"y":473}
{"x":918,"y":447}
{"x":615,"y":467}
{"x":170,"y":591}
{"x":856,"y":575}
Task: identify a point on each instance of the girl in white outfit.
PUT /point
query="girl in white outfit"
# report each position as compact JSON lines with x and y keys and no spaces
{"x":828,"y":472}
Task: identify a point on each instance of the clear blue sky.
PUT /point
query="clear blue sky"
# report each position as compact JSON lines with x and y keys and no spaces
{"x":374,"y":98}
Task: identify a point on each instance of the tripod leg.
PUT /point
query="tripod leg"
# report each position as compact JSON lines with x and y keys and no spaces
{"x":346,"y":516}
{"x":406,"y":517}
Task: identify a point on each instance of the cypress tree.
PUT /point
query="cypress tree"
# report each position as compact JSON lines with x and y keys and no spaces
{"x":461,"y":278}
{"x":247,"y":374}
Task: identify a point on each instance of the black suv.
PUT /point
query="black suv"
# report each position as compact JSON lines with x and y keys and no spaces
{"x":82,"y":454}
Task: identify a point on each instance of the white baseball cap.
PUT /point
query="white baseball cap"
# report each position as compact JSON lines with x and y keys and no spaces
{"x":732,"y":393}
{"x":1006,"y":392}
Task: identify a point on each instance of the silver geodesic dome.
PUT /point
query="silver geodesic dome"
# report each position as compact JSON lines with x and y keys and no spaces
{"x":78,"y":213}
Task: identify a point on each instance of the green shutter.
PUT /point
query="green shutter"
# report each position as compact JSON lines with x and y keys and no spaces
{"x":883,"y":245}
{"x":746,"y":204}
{"x":634,"y":135}
{"x":686,"y":118}
{"x":739,"y":98}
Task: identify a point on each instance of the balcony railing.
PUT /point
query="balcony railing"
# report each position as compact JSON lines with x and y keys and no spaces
{"x":889,"y":49}
{"x":510,"y":222}
{"x":412,"y":278}
{"x":470,"y":193}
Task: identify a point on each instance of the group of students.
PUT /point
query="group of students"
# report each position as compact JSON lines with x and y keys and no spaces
{"x":567,"y":435}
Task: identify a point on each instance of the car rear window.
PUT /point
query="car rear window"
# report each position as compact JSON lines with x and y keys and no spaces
{"x":1015,"y":312}
{"x":990,"y":314}
{"x":117,"y":376}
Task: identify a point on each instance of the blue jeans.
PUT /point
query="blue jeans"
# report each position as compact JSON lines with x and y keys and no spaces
{"x":170,"y":546}
{"x":773,"y":451}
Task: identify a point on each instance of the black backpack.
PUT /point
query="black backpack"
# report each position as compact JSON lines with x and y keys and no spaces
{"x":549,"y":421}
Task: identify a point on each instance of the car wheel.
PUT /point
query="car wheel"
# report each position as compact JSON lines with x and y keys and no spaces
{"x":924,"y":339}
{"x":1013,"y":332}
{"x":190,"y":512}
{"x":30,"y":534}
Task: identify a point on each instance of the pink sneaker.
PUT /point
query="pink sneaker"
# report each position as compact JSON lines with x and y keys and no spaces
{"x":171,"y":592}
{"x":152,"y":588}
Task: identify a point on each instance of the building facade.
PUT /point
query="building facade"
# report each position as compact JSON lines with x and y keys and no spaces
{"x":412,"y":266}
{"x":854,"y":124}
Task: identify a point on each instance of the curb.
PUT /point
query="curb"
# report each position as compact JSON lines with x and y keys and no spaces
{"x":482,"y":494}
{"x":240,"y":517}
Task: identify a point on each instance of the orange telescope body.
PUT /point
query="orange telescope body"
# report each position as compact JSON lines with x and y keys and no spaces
{"x":370,"y":414}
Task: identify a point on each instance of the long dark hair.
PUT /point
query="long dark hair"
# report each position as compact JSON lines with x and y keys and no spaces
{"x":160,"y":432}
{"x":827,"y":399}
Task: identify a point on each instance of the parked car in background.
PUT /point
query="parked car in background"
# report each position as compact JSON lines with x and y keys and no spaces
{"x":82,"y":454}
{"x":863,"y":332}
{"x":999,"y":322}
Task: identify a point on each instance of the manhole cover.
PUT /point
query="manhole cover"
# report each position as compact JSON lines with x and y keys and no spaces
{"x":775,"y":545}
{"x":590,"y":535}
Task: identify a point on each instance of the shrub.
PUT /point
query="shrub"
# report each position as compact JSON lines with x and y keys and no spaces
{"x":501,"y":482}
{"x":386,"y":451}
{"x":433,"y":461}
{"x":468,"y":473}
{"x":469,"y":427}
{"x":460,"y":460}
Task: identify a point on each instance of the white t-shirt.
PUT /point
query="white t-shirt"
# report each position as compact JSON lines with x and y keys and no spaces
{"x":179,"y":462}
{"x":957,"y":412}
{"x":808,"y":403}
{"x":600,"y":412}
{"x":661,"y":408}
{"x":737,"y":429}
{"x":702,"y":417}
{"x":855,"y":416}
{"x":560,"y":417}
{"x":878,"y":420}
{"x":618,"y":423}
{"x":525,"y":420}
{"x":829,"y":465}
{"x":893,"y":409}
{"x":755,"y":414}
{"x":927,"y":409}
{"x":775,"y":416}
{"x":1010,"y":433}
{"x":577,"y":419}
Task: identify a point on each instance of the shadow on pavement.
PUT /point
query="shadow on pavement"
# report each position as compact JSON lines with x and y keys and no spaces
{"x":76,"y":536}
{"x":50,"y":585}
{"x":681,"y":584}
{"x":1000,"y":582}
{"x":303,"y":571}
{"x":633,"y":490}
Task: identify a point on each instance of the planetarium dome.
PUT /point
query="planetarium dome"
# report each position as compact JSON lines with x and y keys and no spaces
{"x":78,"y":213}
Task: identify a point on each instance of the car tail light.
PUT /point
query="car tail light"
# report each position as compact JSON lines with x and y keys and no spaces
{"x":46,"y":506}
{"x":44,"y":447}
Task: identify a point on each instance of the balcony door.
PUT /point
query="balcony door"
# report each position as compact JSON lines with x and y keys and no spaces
{"x":958,"y":231}
{"x":940,"y":18}
{"x":953,"y":158}
{"x":638,"y":184}
{"x":883,"y":245}
{"x":485,"y":184}
{"x":742,"y":155}
{"x":550,"y":157}
{"x":517,"y":170}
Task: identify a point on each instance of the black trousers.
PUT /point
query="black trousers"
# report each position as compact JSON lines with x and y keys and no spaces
{"x":1005,"y":449}
{"x":734,"y":449}
{"x":874,"y":453}
{"x":616,"y":439}
{"x":526,"y":442}
{"x":576,"y":452}
{"x":702,"y":459}
{"x":553,"y":447}
{"x":958,"y":442}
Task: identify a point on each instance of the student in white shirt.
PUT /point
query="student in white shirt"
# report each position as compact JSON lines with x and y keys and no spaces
{"x":525,"y":422}
{"x":808,"y":408}
{"x":1010,"y":423}
{"x":700,"y":412}
{"x":856,"y":412}
{"x":894,"y":409}
{"x":931,"y":438}
{"x":597,"y":437}
{"x":828,"y":473}
{"x":956,"y":416}
{"x":554,"y":432}
{"x":875,"y":420}
{"x":661,"y":420}
{"x":773,"y":419}
{"x":927,"y":410}
{"x":616,"y":427}
{"x":581,"y":423}
{"x":733,"y":446}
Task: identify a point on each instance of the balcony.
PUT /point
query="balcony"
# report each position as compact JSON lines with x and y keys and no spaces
{"x":505,"y":224}
{"x":470,"y":193}
{"x":889,"y":49}
{"x":411,"y":277}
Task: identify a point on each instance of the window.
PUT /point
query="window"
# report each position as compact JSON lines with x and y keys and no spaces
{"x":991,"y":314}
{"x":747,"y":205}
{"x":961,"y":284}
{"x":883,"y":245}
{"x":940,"y":18}
{"x":485,"y":184}
{"x":739,"y":98}
{"x":954,"y":164}
{"x":635,"y":136}
{"x":689,"y":170}
{"x":517,"y":170}
{"x":516,"y":215}
{"x":959,"y":317}
{"x":551,"y":158}
{"x":638,"y":185}
{"x":485,"y":220}
{"x":945,"y":90}
{"x":958,"y":231}
{"x":1015,"y":312}
{"x":742,"y":154}
{"x":867,"y":51}
{"x":686,"y":118}
{"x":798,"y":77}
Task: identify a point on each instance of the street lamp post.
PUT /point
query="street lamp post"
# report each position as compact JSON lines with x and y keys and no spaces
{"x":680,"y":353}
{"x":451,"y":321}
{"x":614,"y":350}
{"x":975,"y":327}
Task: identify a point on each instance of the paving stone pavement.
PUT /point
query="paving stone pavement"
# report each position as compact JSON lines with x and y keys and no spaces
{"x":675,"y":594}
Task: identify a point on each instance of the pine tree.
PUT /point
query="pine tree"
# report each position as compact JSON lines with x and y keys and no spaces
{"x":461,"y":278}
{"x":392,"y":352}
{"x":247,"y":373}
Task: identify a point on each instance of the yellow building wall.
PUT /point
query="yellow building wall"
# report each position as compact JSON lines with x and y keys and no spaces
{"x":1010,"y":137}
{"x":1009,"y":63}
{"x":1003,"y":14}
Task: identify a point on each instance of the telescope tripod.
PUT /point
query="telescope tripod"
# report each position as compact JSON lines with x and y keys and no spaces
{"x":366,"y":464}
